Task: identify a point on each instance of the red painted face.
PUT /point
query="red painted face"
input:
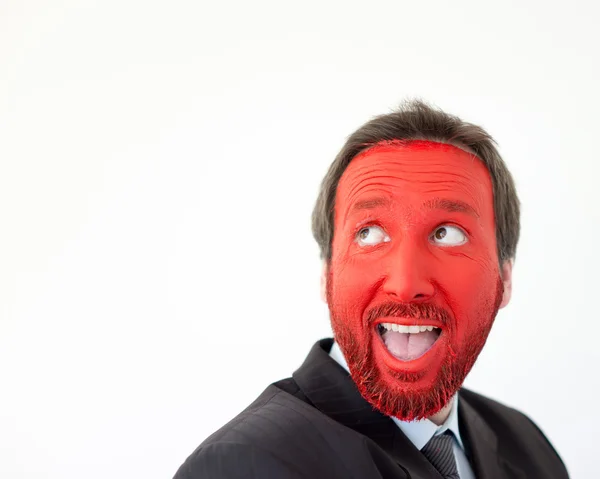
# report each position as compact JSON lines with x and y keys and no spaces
{"x":414,"y":247}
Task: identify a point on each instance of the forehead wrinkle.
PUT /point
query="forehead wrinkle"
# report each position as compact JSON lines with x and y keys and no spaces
{"x":388,"y":186}
{"x":367,"y":190}
{"x":396,"y":168}
{"x":356,"y":186}
{"x":396,"y":172}
{"x":385,"y":175}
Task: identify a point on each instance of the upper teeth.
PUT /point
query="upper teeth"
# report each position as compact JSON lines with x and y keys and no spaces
{"x":406,"y":329}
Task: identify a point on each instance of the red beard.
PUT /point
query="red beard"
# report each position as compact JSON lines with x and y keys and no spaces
{"x":402,"y":394}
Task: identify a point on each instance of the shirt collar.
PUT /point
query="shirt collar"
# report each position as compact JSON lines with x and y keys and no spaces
{"x":421,"y":431}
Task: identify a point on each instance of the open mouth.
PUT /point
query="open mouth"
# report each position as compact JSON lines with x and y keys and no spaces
{"x":407,"y":343}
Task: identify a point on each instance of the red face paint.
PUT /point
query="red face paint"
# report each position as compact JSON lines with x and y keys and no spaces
{"x":414,"y":245}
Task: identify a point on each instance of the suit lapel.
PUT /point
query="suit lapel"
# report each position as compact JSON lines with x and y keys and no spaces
{"x":481,"y":444}
{"x":331,"y":390}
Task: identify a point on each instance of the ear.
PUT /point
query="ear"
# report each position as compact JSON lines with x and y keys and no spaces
{"x":324,"y":282}
{"x":506,"y":273}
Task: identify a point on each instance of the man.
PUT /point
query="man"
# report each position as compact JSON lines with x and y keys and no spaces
{"x":418,"y":222}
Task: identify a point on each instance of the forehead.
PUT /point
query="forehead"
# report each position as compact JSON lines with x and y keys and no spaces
{"x":416,"y":171}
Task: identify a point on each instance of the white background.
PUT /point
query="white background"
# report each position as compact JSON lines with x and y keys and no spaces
{"x":159,"y":165}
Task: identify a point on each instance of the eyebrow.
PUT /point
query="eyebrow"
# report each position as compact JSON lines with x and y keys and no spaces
{"x":451,"y":206}
{"x":438,"y":203}
{"x":370,"y":203}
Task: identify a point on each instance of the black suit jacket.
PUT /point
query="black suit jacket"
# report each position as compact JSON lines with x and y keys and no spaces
{"x":316,"y":425}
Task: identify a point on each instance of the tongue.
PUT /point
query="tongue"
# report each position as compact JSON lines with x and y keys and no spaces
{"x":406,"y":346}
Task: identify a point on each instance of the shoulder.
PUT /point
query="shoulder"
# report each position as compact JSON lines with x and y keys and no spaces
{"x":273,"y":437}
{"x":493,"y":410}
{"x":271,"y":419}
{"x":518,"y":435}
{"x":502,"y":418}
{"x":230,"y":460}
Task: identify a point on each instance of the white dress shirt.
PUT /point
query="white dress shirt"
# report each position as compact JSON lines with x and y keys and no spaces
{"x":421,"y":431}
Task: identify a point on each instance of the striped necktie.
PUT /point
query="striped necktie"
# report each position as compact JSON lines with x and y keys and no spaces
{"x":439,"y":452}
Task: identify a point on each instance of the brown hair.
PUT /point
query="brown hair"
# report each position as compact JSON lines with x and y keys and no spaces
{"x":416,"y":120}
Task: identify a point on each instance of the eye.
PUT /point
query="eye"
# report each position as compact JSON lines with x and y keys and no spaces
{"x":371,"y":235}
{"x":448,"y":235}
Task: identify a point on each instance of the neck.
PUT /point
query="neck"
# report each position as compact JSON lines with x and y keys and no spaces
{"x":440,"y":417}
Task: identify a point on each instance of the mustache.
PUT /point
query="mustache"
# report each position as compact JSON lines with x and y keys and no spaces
{"x":421,"y":311}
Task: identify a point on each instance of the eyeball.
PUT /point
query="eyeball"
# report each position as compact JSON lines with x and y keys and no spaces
{"x":371,"y":235}
{"x":448,"y":235}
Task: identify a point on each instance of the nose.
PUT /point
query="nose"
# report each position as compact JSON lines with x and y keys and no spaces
{"x":407,"y":276}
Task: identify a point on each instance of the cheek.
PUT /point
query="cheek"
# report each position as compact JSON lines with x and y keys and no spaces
{"x":471,"y":289}
{"x":466,"y":278}
{"x":353,"y":285}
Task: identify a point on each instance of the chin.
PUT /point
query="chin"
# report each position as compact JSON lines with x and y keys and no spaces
{"x":409,"y":390}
